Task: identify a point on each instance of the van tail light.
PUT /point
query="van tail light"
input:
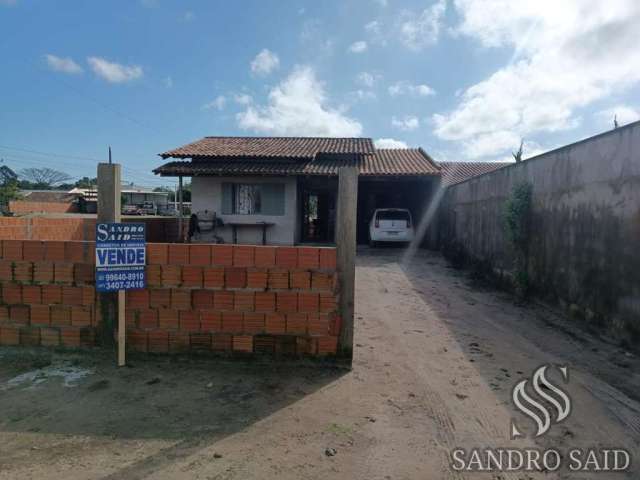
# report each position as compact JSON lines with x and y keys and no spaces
{"x":377,"y":222}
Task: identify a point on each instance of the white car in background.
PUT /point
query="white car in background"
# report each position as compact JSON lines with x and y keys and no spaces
{"x":391,"y":225}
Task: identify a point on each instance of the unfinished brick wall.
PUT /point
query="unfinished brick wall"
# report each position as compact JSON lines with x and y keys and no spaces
{"x":24,"y":206}
{"x":200,"y":298}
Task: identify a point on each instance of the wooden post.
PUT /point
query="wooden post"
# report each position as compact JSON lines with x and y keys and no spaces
{"x":346,"y":218}
{"x":109,"y":183}
{"x":180,"y":226}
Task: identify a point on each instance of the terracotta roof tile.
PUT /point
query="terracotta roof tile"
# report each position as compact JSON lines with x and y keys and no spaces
{"x":270,"y":147}
{"x":456,"y":172}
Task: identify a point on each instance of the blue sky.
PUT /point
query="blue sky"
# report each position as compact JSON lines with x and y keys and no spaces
{"x":464,"y":79}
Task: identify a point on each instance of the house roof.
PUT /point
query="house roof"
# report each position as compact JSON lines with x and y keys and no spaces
{"x":55,"y":196}
{"x":270,"y":147}
{"x":383,"y":162}
{"x":456,"y":172}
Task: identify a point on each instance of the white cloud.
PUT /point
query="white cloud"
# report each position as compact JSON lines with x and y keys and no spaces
{"x":168,"y":82}
{"x":298,"y":106}
{"x":373,"y":27}
{"x":367,"y":79}
{"x":389,"y":143}
{"x":407,"y":123}
{"x":362,"y":95}
{"x":421,"y":30}
{"x":491,"y":144}
{"x":60,"y":64}
{"x":622,"y":113}
{"x":188,"y":16}
{"x":565,"y":56}
{"x":114,"y":72}
{"x":265,"y":62}
{"x":242,"y":98}
{"x":406,"y":88}
{"x":358,"y":47}
{"x":218,"y":103}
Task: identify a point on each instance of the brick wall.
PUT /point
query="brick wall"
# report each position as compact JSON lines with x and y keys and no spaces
{"x":24,"y":206}
{"x":200,"y":298}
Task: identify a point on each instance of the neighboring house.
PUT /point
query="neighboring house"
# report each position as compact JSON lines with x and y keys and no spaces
{"x":456,"y":172}
{"x":131,"y":195}
{"x":287,"y":186}
{"x":44,"y":201}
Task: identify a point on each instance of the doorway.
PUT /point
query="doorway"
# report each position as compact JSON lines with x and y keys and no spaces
{"x":318,"y":200}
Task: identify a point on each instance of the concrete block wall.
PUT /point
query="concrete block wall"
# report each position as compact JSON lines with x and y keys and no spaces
{"x":226,"y":299}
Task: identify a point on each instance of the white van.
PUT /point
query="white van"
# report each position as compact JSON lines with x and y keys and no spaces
{"x":391,"y":225}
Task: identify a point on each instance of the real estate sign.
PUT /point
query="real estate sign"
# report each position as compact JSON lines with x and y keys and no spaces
{"x":120,"y":256}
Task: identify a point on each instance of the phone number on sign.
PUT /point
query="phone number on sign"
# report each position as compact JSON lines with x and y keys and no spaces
{"x":126,"y":285}
{"x":123,"y":277}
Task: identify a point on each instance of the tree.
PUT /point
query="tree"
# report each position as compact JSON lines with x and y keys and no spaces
{"x":8,"y":191}
{"x":45,"y":177}
{"x":518,"y":155}
{"x":86,"y":182}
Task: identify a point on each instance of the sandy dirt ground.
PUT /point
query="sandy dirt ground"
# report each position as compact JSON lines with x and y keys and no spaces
{"x":436,"y":358}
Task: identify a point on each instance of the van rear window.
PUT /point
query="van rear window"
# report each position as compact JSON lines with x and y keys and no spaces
{"x":393,"y":215}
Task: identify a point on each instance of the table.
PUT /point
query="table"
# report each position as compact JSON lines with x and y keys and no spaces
{"x":235,"y":225}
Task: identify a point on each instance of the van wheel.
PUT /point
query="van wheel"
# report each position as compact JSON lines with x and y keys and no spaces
{"x":372,"y":244}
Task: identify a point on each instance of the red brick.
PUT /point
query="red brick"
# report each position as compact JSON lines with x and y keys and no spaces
{"x":178,"y":342}
{"x":210,"y":321}
{"x":297,"y":323}
{"x":308,"y":257}
{"x":265,"y":256}
{"x":200,"y":341}
{"x":29,"y":337}
{"x":328,"y":258}
{"x":265,"y":302}
{"x":9,"y":335}
{"x":60,"y":315}
{"x":189,"y":321}
{"x":171,"y":275}
{"x":4,"y":314}
{"x":235,"y":277}
{"x":43,"y":272}
{"x":19,"y":314}
{"x":84,"y":273}
{"x":278,"y":279}
{"x":328,"y":302}
{"x":131,"y":318}
{"x":49,"y":337}
{"x":12,"y":293}
{"x":264,"y":344}
{"x":222,"y":255}
{"x":158,"y":341}
{"x":300,"y":279}
{"x":221,"y":342}
{"x":200,"y":254}
{"x":23,"y":272}
{"x":80,"y":316}
{"x":159,"y":297}
{"x":275,"y":323}
{"x":178,"y":254}
{"x":147,"y":318}
{"x":137,"y":299}
{"x":305,"y":346}
{"x":51,"y":294}
{"x":6,"y":269}
{"x":318,"y":324}
{"x":88,"y":295}
{"x":63,"y":272}
{"x":137,"y":340}
{"x":54,"y":251}
{"x":33,"y":250}
{"x":12,"y":249}
{"x":168,"y":319}
{"x":31,"y":294}
{"x":286,"y":302}
{"x":287,"y":257}
{"x":154,"y":275}
{"x":232,"y":322}
{"x":40,"y":315}
{"x":243,"y":343}
{"x":308,"y":302}
{"x":180,"y":299}
{"x":243,"y":256}
{"x":87,"y":337}
{"x":335,"y":323}
{"x":213,"y":277}
{"x":257,"y":278}
{"x":253,"y":323}
{"x":192,"y":276}
{"x":223,"y":300}
{"x":74,"y":252}
{"x":202,"y":298}
{"x":327,"y":345}
{"x":321,"y":281}
{"x":244,"y":301}
{"x":71,"y":295}
{"x":157,"y":253}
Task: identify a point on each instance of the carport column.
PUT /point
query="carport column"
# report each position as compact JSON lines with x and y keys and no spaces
{"x":180,"y":210}
{"x":109,"y":184}
{"x":346,"y":252}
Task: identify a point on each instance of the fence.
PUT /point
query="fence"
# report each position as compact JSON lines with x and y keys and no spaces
{"x":229,"y":299}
